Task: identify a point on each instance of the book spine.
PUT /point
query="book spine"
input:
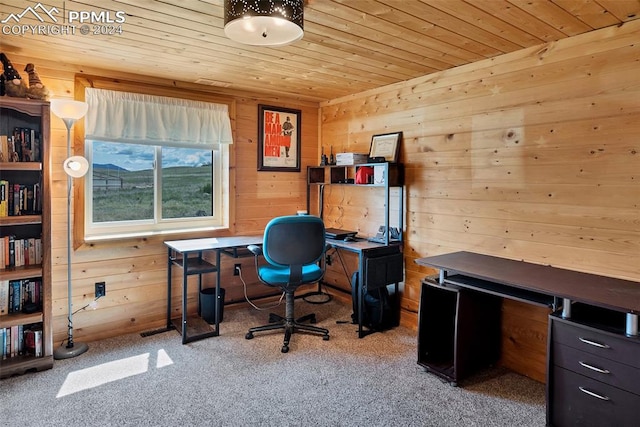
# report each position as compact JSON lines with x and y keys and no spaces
{"x":20,"y":341}
{"x":16,"y":297}
{"x":3,"y":343}
{"x":4,"y":148}
{"x":11,"y":199}
{"x":4,"y":297}
{"x":7,"y":342}
{"x":38,"y":250}
{"x":12,"y":251}
{"x":38,"y":342}
{"x":16,"y":199}
{"x":14,"y":340}
{"x":30,"y":342}
{"x":18,"y":253}
{"x":3,"y":197}
{"x":17,"y":144}
{"x":6,"y":251}
{"x":32,"y":251}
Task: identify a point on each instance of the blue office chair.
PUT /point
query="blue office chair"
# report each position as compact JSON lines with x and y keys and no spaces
{"x":293,"y":247}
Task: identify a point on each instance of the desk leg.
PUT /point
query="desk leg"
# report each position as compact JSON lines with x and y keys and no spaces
{"x":185,"y":267}
{"x":199,"y":286}
{"x":169,"y":263}
{"x":362,"y":289}
{"x":217,"y":302}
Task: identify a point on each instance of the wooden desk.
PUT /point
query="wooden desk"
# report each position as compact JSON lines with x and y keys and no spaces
{"x":378,"y":265}
{"x":187,"y":254}
{"x":593,"y":346}
{"x":608,"y":292}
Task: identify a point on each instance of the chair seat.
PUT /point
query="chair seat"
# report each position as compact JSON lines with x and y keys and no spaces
{"x":270,"y":274}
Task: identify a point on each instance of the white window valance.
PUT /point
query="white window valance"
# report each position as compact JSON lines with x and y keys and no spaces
{"x":155,"y":120}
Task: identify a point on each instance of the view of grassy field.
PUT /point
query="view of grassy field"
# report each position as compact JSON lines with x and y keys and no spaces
{"x":121,"y":195}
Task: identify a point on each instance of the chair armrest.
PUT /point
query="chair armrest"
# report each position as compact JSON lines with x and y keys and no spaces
{"x":255,"y":249}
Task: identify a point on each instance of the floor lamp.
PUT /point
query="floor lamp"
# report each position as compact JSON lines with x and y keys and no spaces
{"x":75,"y":167}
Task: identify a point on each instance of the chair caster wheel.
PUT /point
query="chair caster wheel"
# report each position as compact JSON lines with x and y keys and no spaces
{"x":285,"y":349}
{"x":325,"y":337}
{"x":249,"y":335}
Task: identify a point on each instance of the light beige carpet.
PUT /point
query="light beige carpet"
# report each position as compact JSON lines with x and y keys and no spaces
{"x":231,"y":381}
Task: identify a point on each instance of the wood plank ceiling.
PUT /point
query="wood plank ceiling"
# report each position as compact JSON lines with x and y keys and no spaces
{"x":349,"y":46}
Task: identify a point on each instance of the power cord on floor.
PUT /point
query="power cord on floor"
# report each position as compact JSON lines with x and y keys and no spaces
{"x":92,"y":304}
{"x":251,"y":303}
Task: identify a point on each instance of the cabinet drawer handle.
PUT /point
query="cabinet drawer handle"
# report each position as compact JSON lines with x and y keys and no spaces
{"x":593,"y":343}
{"x":590,"y":393}
{"x":593,"y":368}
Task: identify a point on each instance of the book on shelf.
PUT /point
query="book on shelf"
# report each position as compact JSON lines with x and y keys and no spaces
{"x":4,"y":297}
{"x":15,"y":296}
{"x":11,"y":251}
{"x":7,"y":343}
{"x":15,"y":340}
{"x":4,"y":194}
{"x":4,"y":148}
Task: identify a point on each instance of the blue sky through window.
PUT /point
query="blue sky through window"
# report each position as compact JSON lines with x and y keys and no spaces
{"x":134,"y":157}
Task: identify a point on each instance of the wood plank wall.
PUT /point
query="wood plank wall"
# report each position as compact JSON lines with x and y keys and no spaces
{"x":135,"y":270}
{"x":533,"y":155}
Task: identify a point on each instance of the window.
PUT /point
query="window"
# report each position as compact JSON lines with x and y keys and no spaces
{"x":158,"y":164}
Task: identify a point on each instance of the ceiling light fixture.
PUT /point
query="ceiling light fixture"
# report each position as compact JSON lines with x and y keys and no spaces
{"x":264,"y":22}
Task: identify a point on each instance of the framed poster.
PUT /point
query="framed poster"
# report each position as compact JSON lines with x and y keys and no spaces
{"x":278,"y":139}
{"x":386,"y":145}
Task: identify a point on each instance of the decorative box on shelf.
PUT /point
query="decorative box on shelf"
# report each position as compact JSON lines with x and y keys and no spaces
{"x":348,"y":159}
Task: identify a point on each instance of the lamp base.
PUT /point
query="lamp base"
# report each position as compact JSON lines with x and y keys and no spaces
{"x":64,"y":352}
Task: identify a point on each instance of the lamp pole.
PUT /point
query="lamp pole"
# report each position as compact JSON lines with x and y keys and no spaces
{"x":69,"y":112}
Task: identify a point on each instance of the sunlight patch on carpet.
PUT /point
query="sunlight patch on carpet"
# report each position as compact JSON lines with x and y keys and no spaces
{"x":95,"y":376}
{"x":163,"y":359}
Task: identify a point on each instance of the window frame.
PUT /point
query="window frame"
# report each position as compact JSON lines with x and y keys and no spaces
{"x":80,"y":235}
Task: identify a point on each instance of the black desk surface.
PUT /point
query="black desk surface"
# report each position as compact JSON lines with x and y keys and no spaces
{"x":602,"y":291}
{"x":359,"y":245}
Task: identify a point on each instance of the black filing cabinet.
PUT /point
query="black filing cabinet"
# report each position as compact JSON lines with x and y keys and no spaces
{"x":594,"y":370}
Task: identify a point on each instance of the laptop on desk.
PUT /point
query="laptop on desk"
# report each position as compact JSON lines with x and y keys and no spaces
{"x":338,"y":234}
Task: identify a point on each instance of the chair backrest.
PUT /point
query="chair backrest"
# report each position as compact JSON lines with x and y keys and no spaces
{"x":294,"y":240}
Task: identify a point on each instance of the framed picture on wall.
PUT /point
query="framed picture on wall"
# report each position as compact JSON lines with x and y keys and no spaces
{"x":386,"y":145}
{"x":278,"y":139}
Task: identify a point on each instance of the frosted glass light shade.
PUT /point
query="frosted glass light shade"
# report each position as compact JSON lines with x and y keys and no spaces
{"x":76,"y":166}
{"x":69,"y":109}
{"x":264,"y":22}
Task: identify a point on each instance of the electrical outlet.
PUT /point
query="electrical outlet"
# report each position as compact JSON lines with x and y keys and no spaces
{"x":236,"y":269}
{"x":101,"y":289}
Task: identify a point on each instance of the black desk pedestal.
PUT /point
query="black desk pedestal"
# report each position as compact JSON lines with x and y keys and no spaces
{"x":458,"y":332}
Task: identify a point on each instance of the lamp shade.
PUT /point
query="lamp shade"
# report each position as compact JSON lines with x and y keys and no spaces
{"x":69,"y":109}
{"x":264,"y":22}
{"x":76,"y":166}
